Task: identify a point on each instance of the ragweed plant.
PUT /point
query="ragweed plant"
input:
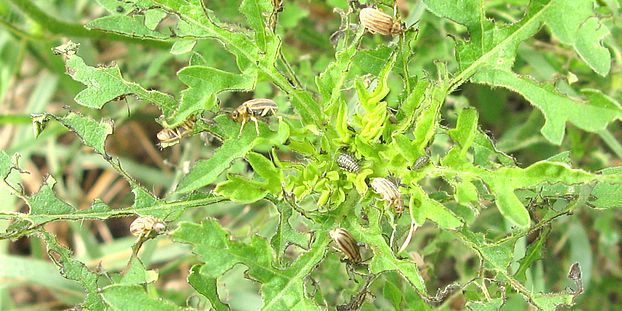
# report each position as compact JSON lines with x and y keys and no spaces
{"x":367,"y":143}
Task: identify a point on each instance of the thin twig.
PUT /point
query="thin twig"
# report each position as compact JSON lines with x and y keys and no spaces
{"x":59,"y":27}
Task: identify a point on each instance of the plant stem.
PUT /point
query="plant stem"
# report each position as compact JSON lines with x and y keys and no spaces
{"x":289,"y":70}
{"x":16,"y":31}
{"x":611,"y":141}
{"x":62,"y":28}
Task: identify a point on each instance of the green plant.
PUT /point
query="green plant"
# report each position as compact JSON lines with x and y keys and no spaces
{"x":390,"y":102}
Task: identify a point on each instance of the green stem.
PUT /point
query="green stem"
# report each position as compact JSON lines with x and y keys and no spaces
{"x":95,"y":214}
{"x":15,"y":119}
{"x":403,"y":47}
{"x":59,"y":27}
{"x":611,"y":141}
{"x":289,"y":70}
{"x":18,"y":32}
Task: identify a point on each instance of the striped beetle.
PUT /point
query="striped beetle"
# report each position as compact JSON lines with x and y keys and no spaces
{"x":389,"y":193}
{"x":346,"y":244}
{"x":377,"y":21}
{"x":252,"y":109}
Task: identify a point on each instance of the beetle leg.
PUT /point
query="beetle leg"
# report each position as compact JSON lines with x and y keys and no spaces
{"x":352,"y":273}
{"x":263,"y":112}
{"x":256,"y":124}
{"x":392,"y":239}
{"x":272,"y":110}
{"x":395,"y":10}
{"x":242,"y":127}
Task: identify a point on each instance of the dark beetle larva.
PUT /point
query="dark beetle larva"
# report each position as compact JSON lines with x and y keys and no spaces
{"x":346,"y":244}
{"x":348,"y":162}
{"x":421,"y":162}
{"x":389,"y":193}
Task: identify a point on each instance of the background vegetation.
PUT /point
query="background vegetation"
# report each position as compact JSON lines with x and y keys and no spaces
{"x":515,"y":102}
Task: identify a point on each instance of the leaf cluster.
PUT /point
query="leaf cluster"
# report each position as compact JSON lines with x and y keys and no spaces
{"x":411,"y":108}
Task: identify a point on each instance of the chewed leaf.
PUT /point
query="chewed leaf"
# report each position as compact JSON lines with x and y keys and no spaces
{"x":592,"y":115}
{"x":207,"y":287}
{"x":607,"y":195}
{"x":488,"y":305}
{"x":130,"y":25}
{"x":5,"y":164}
{"x":250,"y":57}
{"x":466,"y":130}
{"x":136,"y":274}
{"x":134,"y":297}
{"x":330,"y":82}
{"x":204,"y":84}
{"x":384,"y":259}
{"x":428,"y":116}
{"x":91,"y":132}
{"x":425,"y":208}
{"x":45,"y":206}
{"x":505,"y":181}
{"x":73,"y":269}
{"x":498,"y":257}
{"x":337,"y":134}
{"x":256,"y":12}
{"x":285,"y":232}
{"x":104,"y":84}
{"x":581,"y":30}
{"x":266,"y":169}
{"x":241,"y":190}
{"x":281,"y":288}
{"x":490,"y":55}
{"x":45,"y":201}
{"x":205,"y":172}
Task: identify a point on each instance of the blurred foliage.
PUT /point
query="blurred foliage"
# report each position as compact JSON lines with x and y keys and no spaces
{"x":497,"y":121}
